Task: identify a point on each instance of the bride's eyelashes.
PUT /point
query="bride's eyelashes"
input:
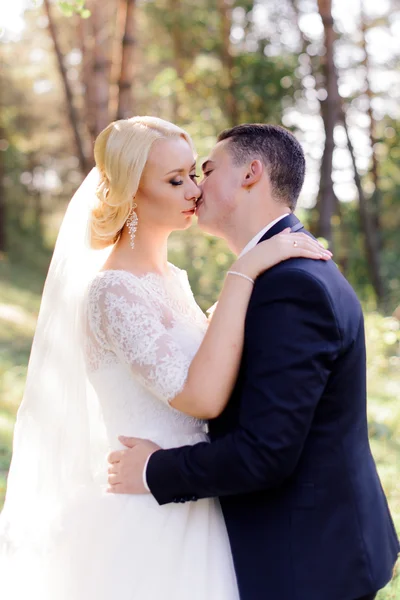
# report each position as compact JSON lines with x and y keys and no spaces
{"x":193,"y":177}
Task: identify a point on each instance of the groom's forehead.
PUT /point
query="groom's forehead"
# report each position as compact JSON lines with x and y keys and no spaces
{"x":216,"y":155}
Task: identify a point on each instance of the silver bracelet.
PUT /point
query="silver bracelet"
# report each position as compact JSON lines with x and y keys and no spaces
{"x":241,"y":275}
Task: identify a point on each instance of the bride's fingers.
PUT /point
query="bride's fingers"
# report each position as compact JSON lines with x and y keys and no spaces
{"x":305,"y":253}
{"x":112,"y":471}
{"x":317,"y":244}
{"x":291,"y":241}
{"x":305,"y":236}
{"x":299,"y":235}
{"x":297,"y":245}
{"x":305,"y":241}
{"x":307,"y":250}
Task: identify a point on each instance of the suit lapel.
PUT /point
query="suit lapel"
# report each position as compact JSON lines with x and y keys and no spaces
{"x":289,"y":221}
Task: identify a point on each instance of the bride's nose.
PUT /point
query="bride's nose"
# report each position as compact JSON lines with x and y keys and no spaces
{"x":193,"y":192}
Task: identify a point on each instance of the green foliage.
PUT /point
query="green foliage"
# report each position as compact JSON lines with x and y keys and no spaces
{"x":206,"y":260}
{"x":74,"y":7}
{"x":383,"y":355}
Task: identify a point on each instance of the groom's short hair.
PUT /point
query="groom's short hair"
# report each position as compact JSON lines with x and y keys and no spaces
{"x":277,"y":149}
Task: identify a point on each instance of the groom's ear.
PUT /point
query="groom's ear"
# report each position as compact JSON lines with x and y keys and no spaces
{"x":253,"y":174}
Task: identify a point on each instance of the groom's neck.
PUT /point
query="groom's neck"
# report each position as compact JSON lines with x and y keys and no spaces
{"x":245,"y":229}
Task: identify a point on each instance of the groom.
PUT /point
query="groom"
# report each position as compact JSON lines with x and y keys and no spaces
{"x":289,"y":457}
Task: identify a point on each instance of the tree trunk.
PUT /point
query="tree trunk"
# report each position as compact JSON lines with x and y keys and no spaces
{"x":101,"y":67}
{"x":116,"y":57}
{"x":225,"y":15}
{"x":86,"y":44}
{"x":367,"y":227}
{"x":3,"y":210}
{"x":332,"y":112}
{"x":72,"y":113}
{"x":175,"y":11}
{"x":125,"y":106}
{"x":329,"y":110}
{"x":375,"y":199}
{"x":314,"y":65}
{"x":35,"y":199}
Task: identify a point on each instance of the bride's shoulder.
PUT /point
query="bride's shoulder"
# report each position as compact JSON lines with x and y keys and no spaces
{"x":112,"y":280}
{"x":178,"y":272}
{"x":174,"y":269}
{"x":111,"y":277}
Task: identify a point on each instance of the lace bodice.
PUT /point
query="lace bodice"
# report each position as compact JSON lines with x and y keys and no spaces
{"x":142,"y":334}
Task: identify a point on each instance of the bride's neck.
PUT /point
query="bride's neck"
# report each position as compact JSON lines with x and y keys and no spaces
{"x":150,"y":253}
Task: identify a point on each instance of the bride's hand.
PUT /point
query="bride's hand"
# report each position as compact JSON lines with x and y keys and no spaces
{"x":280,"y":247}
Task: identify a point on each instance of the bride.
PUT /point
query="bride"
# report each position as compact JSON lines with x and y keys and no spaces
{"x":121,"y":345}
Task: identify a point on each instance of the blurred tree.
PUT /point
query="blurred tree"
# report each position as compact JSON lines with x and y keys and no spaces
{"x":375,"y":198}
{"x":105,"y":38}
{"x":227,"y":60}
{"x":85,"y":44}
{"x":329,"y":108}
{"x":84,"y":161}
{"x":328,"y":205}
{"x":125,"y":81}
{"x":101,"y":64}
{"x":3,"y":240}
{"x":367,"y":226}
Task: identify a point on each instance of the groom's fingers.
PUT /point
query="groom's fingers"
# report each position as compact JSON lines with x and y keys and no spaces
{"x":130,"y":442}
{"x":114,"y":479}
{"x":117,"y":455}
{"x":114,"y":489}
{"x":114,"y":457}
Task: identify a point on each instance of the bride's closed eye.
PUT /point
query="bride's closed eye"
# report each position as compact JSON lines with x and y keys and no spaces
{"x":193,"y":177}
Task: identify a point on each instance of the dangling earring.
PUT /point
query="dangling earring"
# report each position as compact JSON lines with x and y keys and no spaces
{"x":132,"y":223}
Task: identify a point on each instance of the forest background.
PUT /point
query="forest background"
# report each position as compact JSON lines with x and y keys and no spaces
{"x":326,"y":69}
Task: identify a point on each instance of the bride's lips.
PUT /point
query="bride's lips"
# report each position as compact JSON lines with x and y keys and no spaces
{"x":189,"y":212}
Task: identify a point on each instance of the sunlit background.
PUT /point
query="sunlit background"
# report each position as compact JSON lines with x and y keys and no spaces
{"x":326,"y":69}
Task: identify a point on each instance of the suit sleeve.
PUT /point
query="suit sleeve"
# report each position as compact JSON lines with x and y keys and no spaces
{"x":291,"y":341}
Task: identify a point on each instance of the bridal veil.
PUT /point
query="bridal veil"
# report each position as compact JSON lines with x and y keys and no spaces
{"x":59,"y":442}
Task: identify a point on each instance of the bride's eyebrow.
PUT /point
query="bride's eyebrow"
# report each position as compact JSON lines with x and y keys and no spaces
{"x":181,"y":170}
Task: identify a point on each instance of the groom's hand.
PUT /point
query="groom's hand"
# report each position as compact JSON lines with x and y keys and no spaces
{"x":125,"y":471}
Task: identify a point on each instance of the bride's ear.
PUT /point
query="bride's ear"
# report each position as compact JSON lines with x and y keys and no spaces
{"x":253,"y":174}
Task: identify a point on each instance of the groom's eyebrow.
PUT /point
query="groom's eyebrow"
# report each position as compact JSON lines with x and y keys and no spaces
{"x":206,"y":164}
{"x":181,"y":170}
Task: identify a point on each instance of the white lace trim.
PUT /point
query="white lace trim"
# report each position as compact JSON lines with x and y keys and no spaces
{"x":130,"y":320}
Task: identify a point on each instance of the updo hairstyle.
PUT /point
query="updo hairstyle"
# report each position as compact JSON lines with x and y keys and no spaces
{"x":121,"y":151}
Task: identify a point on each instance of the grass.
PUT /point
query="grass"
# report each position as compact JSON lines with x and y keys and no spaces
{"x":20,"y":289}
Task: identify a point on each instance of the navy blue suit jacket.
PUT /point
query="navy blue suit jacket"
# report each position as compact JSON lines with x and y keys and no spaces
{"x":289,"y":457}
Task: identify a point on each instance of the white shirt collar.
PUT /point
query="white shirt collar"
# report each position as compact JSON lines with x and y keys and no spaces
{"x":253,"y":242}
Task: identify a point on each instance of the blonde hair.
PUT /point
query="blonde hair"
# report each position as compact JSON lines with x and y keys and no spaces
{"x":121,"y":151}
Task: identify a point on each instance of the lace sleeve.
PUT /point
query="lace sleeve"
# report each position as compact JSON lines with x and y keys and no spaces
{"x":137,"y":332}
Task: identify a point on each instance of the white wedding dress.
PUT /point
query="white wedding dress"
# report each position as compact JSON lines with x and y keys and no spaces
{"x":142,"y":333}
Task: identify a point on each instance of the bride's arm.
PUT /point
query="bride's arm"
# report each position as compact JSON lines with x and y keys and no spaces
{"x":214,"y":369}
